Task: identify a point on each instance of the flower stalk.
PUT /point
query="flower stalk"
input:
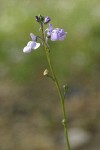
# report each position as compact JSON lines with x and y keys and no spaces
{"x":64,"y":121}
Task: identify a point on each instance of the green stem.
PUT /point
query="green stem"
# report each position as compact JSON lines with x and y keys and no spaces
{"x":47,"y":51}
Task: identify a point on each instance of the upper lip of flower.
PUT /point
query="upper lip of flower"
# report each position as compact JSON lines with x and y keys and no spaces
{"x":33,"y":37}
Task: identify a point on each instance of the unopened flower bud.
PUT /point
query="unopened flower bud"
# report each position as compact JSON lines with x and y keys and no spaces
{"x":64,"y":121}
{"x":46,"y":72}
{"x":47,"y":20}
{"x":39,"y":18}
{"x":65,"y":87}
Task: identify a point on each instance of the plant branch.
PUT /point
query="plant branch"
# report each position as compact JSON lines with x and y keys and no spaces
{"x":64,"y":121}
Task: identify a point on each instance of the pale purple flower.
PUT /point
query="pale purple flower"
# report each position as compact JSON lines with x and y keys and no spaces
{"x":47,"y":20}
{"x":56,"y":34}
{"x":31,"y":45}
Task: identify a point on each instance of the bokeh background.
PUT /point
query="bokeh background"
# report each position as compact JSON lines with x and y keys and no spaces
{"x":30,"y":114}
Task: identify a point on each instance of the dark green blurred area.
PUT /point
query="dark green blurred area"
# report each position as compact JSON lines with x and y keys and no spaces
{"x":27,"y":99}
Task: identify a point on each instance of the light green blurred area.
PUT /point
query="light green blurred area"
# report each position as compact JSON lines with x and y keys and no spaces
{"x":79,"y":53}
{"x":30,"y":114}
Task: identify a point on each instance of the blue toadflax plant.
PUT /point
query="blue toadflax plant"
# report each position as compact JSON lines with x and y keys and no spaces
{"x":53,"y":34}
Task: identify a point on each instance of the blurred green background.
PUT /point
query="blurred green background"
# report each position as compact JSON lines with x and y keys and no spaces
{"x":30,"y":115}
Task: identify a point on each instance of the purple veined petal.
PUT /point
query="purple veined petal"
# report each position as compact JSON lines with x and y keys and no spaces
{"x":62,"y":35}
{"x":32,"y":44}
{"x":62,"y":38}
{"x":37,"y":46}
{"x":58,"y":34}
{"x":62,"y":32}
{"x":29,"y":43}
{"x":54,"y":36}
{"x":33,"y":36}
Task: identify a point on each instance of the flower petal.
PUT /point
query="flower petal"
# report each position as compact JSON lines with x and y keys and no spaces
{"x":27,"y":49}
{"x":36,"y":46}
{"x":46,"y":20}
{"x":54,"y":36}
{"x":32,"y":44}
{"x":50,"y":27}
{"x":33,"y":36}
